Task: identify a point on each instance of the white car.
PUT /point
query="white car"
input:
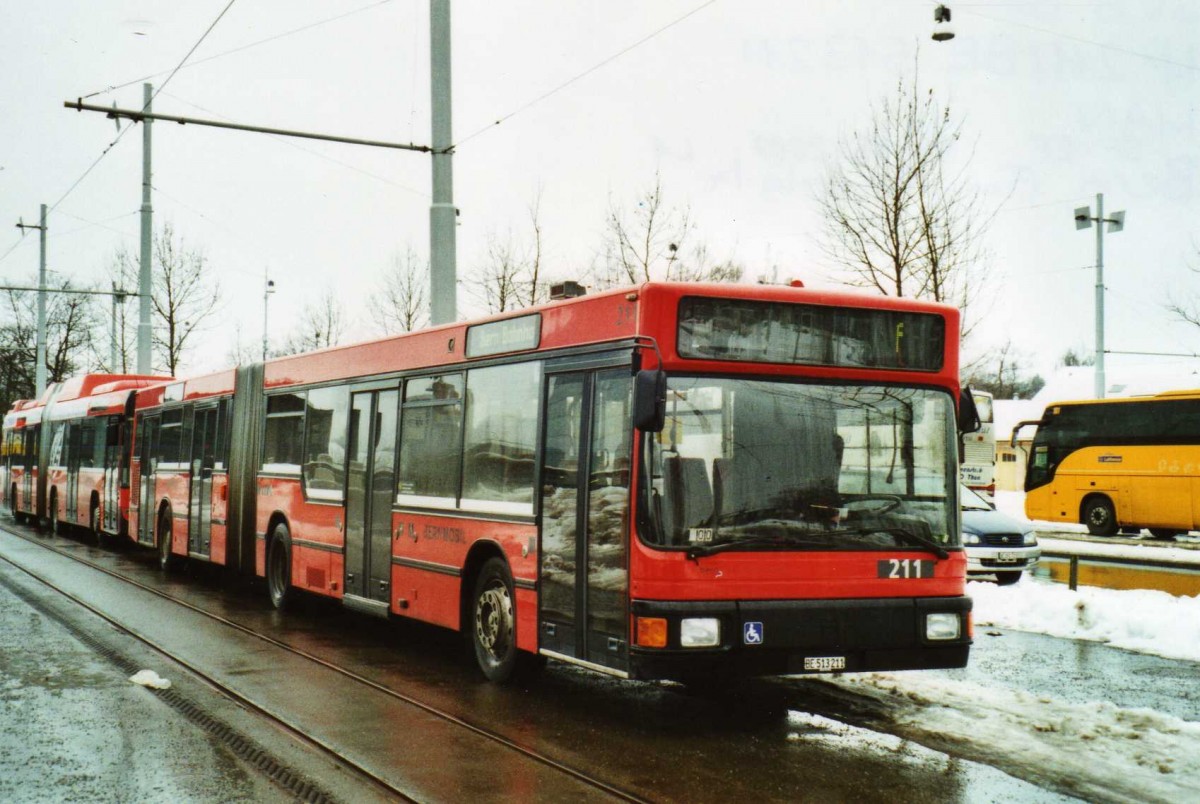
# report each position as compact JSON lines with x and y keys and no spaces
{"x":996,"y":544}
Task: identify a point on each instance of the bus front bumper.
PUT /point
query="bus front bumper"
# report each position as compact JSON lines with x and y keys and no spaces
{"x":785,"y":637}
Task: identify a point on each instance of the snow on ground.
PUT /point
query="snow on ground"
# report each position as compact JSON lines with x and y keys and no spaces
{"x":1107,"y":753}
{"x":1104,"y":752}
{"x":1142,"y":620}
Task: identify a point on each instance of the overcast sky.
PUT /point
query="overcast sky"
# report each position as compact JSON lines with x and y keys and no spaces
{"x":739,"y":106}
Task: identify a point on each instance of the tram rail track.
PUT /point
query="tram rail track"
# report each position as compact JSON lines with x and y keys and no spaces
{"x":390,"y":786}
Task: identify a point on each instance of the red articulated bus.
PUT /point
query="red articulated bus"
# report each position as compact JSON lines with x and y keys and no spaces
{"x":67,"y":454}
{"x":679,"y":481}
{"x":22,"y":429}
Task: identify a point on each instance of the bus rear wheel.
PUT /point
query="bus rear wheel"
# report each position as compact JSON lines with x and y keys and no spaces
{"x":167,"y":560}
{"x":279,"y":567}
{"x":1165,"y":534}
{"x":56,"y":525}
{"x":1099,"y":516}
{"x":94,"y":524}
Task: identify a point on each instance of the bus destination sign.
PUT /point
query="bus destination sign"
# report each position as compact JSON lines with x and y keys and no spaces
{"x":508,"y":335}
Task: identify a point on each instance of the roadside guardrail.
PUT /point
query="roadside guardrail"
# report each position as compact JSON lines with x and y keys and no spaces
{"x":1120,"y":563}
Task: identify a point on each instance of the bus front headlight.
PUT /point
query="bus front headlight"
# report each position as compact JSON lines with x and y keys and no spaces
{"x":941,"y":626}
{"x":699,"y":632}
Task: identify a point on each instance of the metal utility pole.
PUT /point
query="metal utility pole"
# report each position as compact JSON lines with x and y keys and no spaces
{"x":145,"y":328}
{"x":268,"y":289}
{"x":443,"y":216}
{"x":443,"y":270}
{"x":40,"y":368}
{"x":1084,"y":219}
{"x":118,"y":298}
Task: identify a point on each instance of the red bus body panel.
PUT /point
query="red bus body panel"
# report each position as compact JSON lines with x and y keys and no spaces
{"x":432,"y":550}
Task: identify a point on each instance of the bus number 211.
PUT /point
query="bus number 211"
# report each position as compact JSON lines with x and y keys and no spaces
{"x":905,"y":568}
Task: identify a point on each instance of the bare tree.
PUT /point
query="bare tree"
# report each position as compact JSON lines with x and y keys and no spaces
{"x":184,"y":296}
{"x":1077,"y":356}
{"x":896,"y":217}
{"x":322,"y":324}
{"x":243,"y":353}
{"x":402,"y":303}
{"x":656,"y":241}
{"x":511,"y":275}
{"x":1185,"y":307}
{"x":70,"y":319}
{"x":123,"y":275}
{"x":1005,"y":372}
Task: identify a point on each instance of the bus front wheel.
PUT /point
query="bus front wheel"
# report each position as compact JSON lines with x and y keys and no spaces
{"x":1099,"y":516}
{"x":493,"y":625}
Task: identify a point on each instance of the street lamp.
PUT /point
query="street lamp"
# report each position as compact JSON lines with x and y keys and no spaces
{"x":1084,"y":219}
{"x":941,"y":24}
{"x":268,"y":289}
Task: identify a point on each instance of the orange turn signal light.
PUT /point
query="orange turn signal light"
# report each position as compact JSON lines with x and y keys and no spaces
{"x":970,"y":625}
{"x":651,"y":632}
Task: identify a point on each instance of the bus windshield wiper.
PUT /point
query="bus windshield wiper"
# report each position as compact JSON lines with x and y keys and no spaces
{"x":904,"y":535}
{"x":752,"y":542}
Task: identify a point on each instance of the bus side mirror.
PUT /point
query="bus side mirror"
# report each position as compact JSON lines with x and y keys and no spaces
{"x":968,"y":414}
{"x":1012,"y":441}
{"x":650,"y":400}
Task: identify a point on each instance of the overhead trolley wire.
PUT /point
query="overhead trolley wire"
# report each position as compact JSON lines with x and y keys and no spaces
{"x":586,"y":72}
{"x":121,"y":134}
{"x":1084,"y":41}
{"x":241,"y":48}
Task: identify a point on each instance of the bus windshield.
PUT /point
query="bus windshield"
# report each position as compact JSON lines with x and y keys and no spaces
{"x":754,"y":464}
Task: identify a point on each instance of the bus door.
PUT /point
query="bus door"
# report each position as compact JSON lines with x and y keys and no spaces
{"x":30,"y":457}
{"x":73,"y":440}
{"x":113,"y":464}
{"x":148,"y":427}
{"x":204,"y":452}
{"x":370,"y":489}
{"x":583,"y":576}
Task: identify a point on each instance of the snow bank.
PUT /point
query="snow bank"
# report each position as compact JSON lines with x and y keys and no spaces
{"x":1108,"y":753}
{"x":1145,"y":620}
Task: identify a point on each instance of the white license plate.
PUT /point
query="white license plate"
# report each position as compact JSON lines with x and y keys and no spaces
{"x":825,"y":663}
{"x":1008,"y":560}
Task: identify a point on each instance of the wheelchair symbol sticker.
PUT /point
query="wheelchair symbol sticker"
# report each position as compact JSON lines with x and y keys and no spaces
{"x":752,"y":633}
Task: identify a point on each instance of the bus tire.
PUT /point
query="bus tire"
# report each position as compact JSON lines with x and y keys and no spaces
{"x":279,"y":567}
{"x":94,"y":524}
{"x":493,"y":626}
{"x":1007,"y":578}
{"x":1100,"y":516}
{"x":56,"y":525}
{"x":1164,"y":534}
{"x":167,"y":561}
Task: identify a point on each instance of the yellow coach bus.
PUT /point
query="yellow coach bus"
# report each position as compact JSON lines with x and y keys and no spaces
{"x":1117,"y":464}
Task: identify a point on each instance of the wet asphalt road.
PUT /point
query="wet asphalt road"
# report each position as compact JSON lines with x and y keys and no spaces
{"x":1079,"y":672}
{"x":660,"y":742}
{"x":74,"y":728}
